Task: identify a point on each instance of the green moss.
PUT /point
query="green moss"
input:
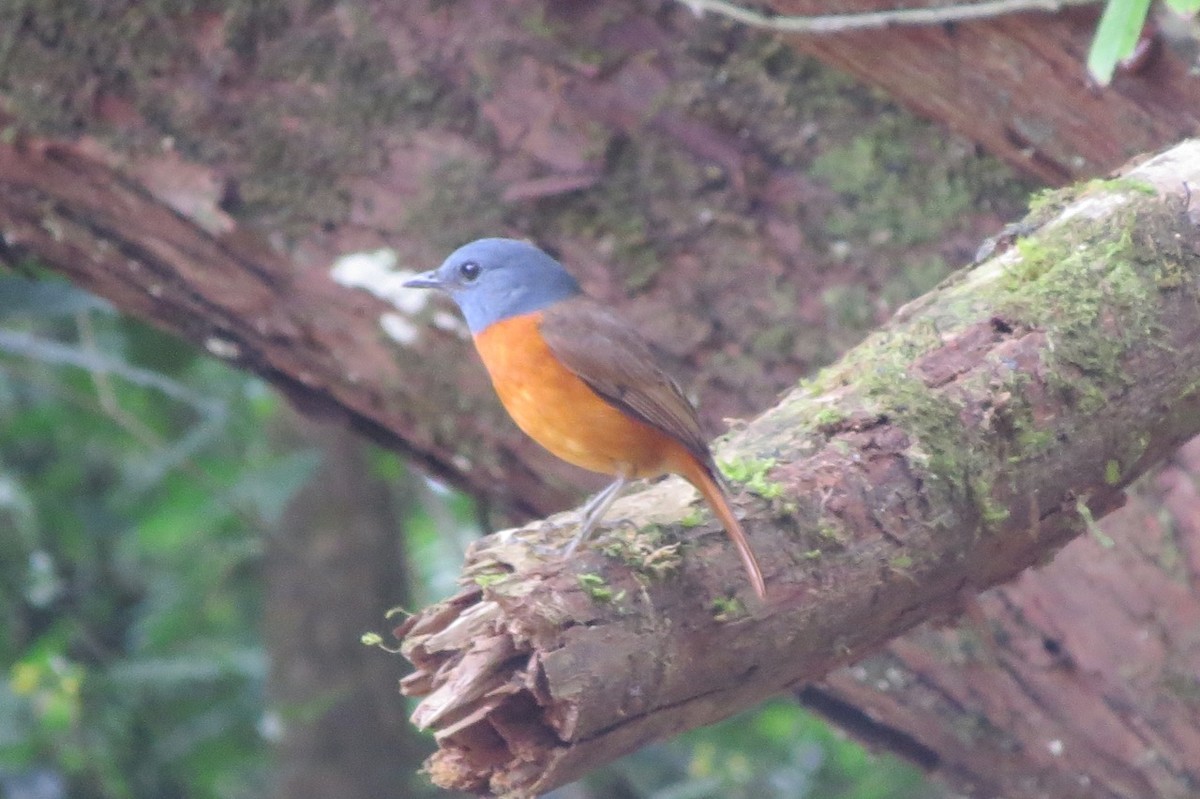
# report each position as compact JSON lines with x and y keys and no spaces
{"x":1045,"y":204}
{"x":1034,"y":441}
{"x":933,"y":419}
{"x":1036,"y":260}
{"x":1112,"y":472}
{"x":828,"y":418}
{"x":892,"y":195}
{"x":991,"y":512}
{"x":727,"y":608}
{"x":1172,"y":273}
{"x":374,"y":639}
{"x":488,"y":579}
{"x":831,"y":531}
{"x":643,"y":550}
{"x":1065,"y":283}
{"x":752,"y":474}
{"x":1069,"y":282}
{"x":1123,"y":184}
{"x":956,"y":461}
{"x":1051,"y":200}
{"x":1013,"y":421}
{"x":595,"y":587}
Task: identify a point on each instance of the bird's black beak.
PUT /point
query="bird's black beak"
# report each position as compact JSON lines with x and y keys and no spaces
{"x":425,"y":280}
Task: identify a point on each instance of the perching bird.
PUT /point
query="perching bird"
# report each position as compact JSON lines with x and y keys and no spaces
{"x":578,"y":380}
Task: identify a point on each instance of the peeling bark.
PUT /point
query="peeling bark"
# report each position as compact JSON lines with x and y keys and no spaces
{"x":967,"y":440}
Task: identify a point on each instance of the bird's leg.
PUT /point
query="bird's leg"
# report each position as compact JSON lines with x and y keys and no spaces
{"x":594,"y":510}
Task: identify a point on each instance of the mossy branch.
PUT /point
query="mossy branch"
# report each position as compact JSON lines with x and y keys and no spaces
{"x":981,"y":429}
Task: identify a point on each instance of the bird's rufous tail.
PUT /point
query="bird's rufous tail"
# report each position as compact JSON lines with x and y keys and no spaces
{"x":714,"y":494}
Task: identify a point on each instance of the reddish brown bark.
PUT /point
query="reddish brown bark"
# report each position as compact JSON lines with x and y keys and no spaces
{"x":1077,"y":680}
{"x":1018,"y":86}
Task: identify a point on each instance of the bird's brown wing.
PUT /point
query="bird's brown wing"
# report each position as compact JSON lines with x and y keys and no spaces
{"x":608,"y":355}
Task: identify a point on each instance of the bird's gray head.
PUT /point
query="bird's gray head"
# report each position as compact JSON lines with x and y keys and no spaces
{"x":494,"y":279}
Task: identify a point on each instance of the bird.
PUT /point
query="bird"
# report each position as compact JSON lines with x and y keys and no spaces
{"x":579,"y":380}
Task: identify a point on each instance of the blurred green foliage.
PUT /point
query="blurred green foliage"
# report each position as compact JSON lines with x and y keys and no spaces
{"x":137,"y":480}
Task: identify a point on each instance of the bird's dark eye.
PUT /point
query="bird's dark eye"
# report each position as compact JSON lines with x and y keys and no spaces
{"x":469,"y":270}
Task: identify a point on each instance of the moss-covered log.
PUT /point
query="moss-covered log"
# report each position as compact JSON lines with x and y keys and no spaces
{"x":987,"y":424}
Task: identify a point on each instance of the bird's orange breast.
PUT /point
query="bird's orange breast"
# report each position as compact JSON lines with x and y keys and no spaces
{"x":562,"y":413}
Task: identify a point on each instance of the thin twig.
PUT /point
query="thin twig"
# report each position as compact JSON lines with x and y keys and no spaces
{"x":106,"y":392}
{"x":47,"y":351}
{"x":212,"y":412}
{"x":837,"y":23}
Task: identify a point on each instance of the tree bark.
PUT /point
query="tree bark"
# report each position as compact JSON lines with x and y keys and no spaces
{"x":1076,"y":680}
{"x":1018,"y":85}
{"x":972,"y":437}
{"x":668,"y":159}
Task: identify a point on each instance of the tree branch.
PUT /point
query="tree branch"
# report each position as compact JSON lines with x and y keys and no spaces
{"x":873,"y":20}
{"x":947,"y":453}
{"x":236,"y":298}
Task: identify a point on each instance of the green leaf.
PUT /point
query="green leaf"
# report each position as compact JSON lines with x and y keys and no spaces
{"x":1185,"y":8}
{"x":179,"y":512}
{"x":1116,"y":36}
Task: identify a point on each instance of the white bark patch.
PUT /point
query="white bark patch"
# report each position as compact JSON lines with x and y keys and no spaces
{"x":375,"y":272}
